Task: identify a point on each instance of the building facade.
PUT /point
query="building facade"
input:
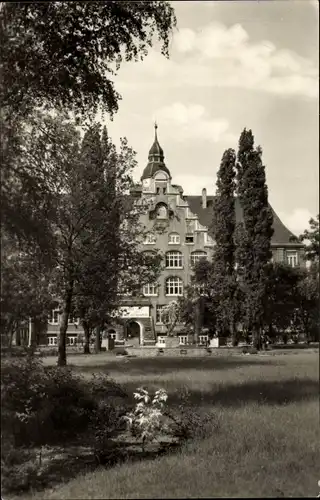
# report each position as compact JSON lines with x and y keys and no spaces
{"x":179,"y":226}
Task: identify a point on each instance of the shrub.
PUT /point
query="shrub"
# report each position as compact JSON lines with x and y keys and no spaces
{"x":189,"y":421}
{"x":147,"y":420}
{"x":42,"y":404}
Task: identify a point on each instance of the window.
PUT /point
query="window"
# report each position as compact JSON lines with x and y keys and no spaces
{"x":174,"y":286}
{"x":164,"y":190}
{"x":159,"y":314}
{"x":72,"y":340}
{"x":150,"y":239}
{"x":196,"y":256}
{"x":161,"y":212}
{"x":183,"y":339}
{"x":189,"y":238}
{"x":150,"y":289}
{"x":161,"y":341}
{"x":161,"y":176}
{"x":174,"y":239}
{"x":52,"y":340}
{"x":54,"y":318}
{"x":158,"y":190}
{"x":203,"y":339}
{"x":174,"y":260}
{"x":292,"y":258}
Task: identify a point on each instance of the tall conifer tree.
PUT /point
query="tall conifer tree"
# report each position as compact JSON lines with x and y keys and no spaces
{"x":254,"y":233}
{"x":223,"y":227}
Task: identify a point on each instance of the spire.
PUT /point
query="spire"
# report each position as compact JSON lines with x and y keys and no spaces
{"x":156,"y":158}
{"x":156,"y":152}
{"x":155,"y":131}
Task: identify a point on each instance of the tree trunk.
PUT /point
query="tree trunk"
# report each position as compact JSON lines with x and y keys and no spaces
{"x":62,"y":355}
{"x":197,"y":322}
{"x":32,"y":336}
{"x":234,"y":334}
{"x":18,"y":335}
{"x":97,"y":342}
{"x":86,"y":345}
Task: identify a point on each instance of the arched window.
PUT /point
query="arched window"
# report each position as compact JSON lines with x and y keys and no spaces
{"x":174,"y":239}
{"x":161,"y":212}
{"x":174,"y":286}
{"x":196,"y":256}
{"x":174,"y":260}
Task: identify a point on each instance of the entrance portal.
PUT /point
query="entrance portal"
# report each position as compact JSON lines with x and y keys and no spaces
{"x":133,"y":333}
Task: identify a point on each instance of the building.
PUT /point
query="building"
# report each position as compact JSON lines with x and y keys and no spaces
{"x":177,"y":225}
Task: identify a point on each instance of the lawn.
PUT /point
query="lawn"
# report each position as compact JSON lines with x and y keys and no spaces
{"x":265,"y":441}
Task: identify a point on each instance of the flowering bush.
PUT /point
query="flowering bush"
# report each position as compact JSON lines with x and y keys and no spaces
{"x":147,"y":420}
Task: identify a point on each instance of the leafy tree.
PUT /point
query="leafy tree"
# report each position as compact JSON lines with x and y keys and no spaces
{"x":253,"y":250}
{"x":281,"y":297}
{"x":197,"y":306}
{"x":307,"y":314}
{"x":64,"y":54}
{"x":61,"y":56}
{"x":171,"y":315}
{"x":223,"y":228}
{"x":114,"y":258}
{"x":26,"y":172}
{"x":312,"y":248}
{"x":92,"y":253}
{"x":25,"y":289}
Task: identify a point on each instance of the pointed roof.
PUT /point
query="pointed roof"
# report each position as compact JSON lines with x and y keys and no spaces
{"x":156,"y":151}
{"x":156,"y":158}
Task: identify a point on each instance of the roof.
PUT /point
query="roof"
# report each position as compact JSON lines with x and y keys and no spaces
{"x":281,"y":235}
{"x":155,"y":158}
{"x":152,"y":168}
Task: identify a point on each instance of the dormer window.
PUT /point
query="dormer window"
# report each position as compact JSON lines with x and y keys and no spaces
{"x":150,"y":239}
{"x":174,"y":239}
{"x":189,"y":238}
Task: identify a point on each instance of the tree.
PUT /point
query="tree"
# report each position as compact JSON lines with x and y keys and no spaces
{"x":25,"y":289}
{"x":223,"y":228}
{"x":64,"y":54}
{"x":307,"y":315}
{"x":197,"y":306}
{"x":27,"y":168}
{"x":281,"y":297}
{"x":253,"y":249}
{"x":312,"y":248}
{"x":61,"y":56}
{"x":170,"y":316}
{"x":94,"y":227}
{"x":115,"y":257}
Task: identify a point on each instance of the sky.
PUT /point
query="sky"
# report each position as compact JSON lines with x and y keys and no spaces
{"x":233,"y":65}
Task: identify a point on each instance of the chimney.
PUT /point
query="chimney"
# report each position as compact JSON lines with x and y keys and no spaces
{"x":204,"y":198}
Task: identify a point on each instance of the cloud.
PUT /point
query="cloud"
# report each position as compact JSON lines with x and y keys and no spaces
{"x":218,"y":56}
{"x":225,"y":57}
{"x":230,"y":59}
{"x":297,"y":221}
{"x":191,"y":122}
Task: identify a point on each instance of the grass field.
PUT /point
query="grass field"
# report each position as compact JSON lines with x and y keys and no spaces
{"x":265,"y":441}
